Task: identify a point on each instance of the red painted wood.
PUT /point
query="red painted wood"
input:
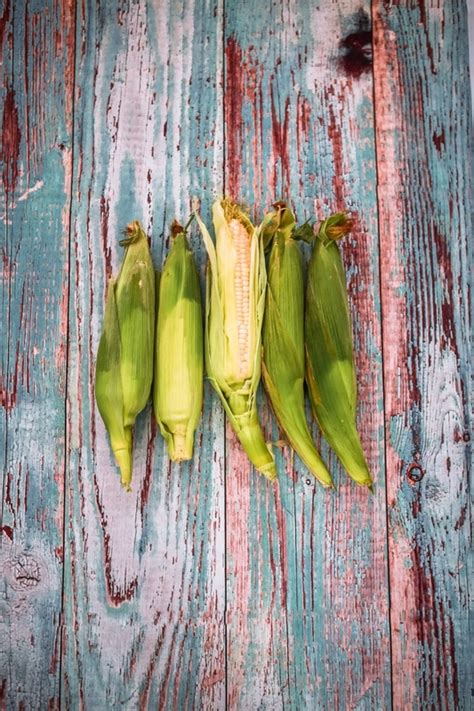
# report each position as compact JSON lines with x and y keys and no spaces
{"x":307,"y":585}
{"x":36,"y":90}
{"x":172,"y":101}
{"x":422,"y":111}
{"x":144,"y":570}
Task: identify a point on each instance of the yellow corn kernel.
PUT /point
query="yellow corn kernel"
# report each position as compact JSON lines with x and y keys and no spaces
{"x":234,"y":315}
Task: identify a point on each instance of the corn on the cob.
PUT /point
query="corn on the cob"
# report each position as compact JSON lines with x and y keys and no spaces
{"x":178,"y":375}
{"x":330,"y":370}
{"x":124,"y":368}
{"x":234,"y":314}
{"x":283,"y":364}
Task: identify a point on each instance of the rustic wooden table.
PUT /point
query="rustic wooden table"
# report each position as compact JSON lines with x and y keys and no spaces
{"x":205,"y":586}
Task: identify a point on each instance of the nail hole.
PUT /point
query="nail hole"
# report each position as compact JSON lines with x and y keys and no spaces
{"x":415,"y":473}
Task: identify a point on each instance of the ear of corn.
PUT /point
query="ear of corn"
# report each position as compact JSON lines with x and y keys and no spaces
{"x":330,"y":370}
{"x":234,"y":315}
{"x":108,"y":387}
{"x":178,"y":381}
{"x":283,"y":340}
{"x":135,"y":297}
{"x":124,"y":367}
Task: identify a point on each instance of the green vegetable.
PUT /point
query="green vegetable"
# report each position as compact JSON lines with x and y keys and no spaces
{"x":178,"y":380}
{"x":283,"y":366}
{"x":330,"y":370}
{"x":124,"y":367}
{"x":234,"y":315}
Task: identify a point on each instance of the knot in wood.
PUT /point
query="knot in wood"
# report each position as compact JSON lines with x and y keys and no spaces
{"x":26,"y":571}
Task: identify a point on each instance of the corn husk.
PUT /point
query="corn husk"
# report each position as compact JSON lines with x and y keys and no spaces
{"x":330,"y":369}
{"x":283,"y":366}
{"x":233,"y":327}
{"x":178,"y":375}
{"x":124,"y":367}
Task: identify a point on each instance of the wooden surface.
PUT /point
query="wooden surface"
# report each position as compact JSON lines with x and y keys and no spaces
{"x":207,"y":587}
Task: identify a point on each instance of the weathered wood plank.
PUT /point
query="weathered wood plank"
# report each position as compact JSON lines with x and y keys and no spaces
{"x":144,"y":572}
{"x":307,"y":580}
{"x":306,"y":571}
{"x":37,"y":45}
{"x":423,"y":147}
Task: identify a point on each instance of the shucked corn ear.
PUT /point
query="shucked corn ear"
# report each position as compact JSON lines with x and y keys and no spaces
{"x":124,"y":367}
{"x":234,"y":314}
{"x":330,"y":371}
{"x":283,"y":366}
{"x":178,"y":375}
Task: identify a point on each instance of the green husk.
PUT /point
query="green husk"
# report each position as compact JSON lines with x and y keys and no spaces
{"x":178,"y":381}
{"x":124,"y":367}
{"x":283,"y":366}
{"x":330,"y":370}
{"x":237,"y":393}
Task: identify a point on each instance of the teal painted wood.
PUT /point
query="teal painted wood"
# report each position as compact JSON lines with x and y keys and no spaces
{"x":145,"y":583}
{"x":424,"y":148}
{"x":307,"y":583}
{"x":37,"y":46}
{"x":144,"y":572}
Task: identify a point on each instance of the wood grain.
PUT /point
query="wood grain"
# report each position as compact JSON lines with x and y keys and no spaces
{"x":37,"y":44}
{"x":423,"y":146}
{"x":207,"y":587}
{"x":307,"y":580}
{"x":144,"y":572}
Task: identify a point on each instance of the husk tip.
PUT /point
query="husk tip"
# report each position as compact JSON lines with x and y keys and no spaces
{"x":133,"y":226}
{"x":123,"y":457}
{"x":126,"y":480}
{"x":335,"y":227}
{"x":269,"y":472}
{"x":235,"y":211}
{"x":176,"y":228}
{"x":133,"y":232}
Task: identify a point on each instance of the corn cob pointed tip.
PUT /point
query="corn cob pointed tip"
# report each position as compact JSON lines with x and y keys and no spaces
{"x":180,"y":449}
{"x":371,"y":488}
{"x":268,"y":469}
{"x":123,"y":457}
{"x":125,"y":478}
